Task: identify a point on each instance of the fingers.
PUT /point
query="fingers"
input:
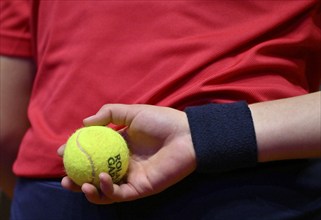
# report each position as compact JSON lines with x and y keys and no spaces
{"x":109,"y":192}
{"x":115,"y":192}
{"x":68,"y":184}
{"x":118,"y":114}
{"x":106,"y":184}
{"x":93,"y":195}
{"x":61,"y":150}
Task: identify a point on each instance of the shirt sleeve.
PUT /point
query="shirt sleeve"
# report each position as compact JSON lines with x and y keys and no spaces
{"x":15,"y":35}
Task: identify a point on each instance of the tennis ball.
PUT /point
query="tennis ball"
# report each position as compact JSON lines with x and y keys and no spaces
{"x":93,"y":150}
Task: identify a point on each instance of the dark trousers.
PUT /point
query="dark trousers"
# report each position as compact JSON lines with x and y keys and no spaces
{"x":287,"y":190}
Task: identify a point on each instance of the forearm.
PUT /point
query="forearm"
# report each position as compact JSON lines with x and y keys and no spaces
{"x":235,"y":135}
{"x":288,"y":128}
{"x":16,"y":80}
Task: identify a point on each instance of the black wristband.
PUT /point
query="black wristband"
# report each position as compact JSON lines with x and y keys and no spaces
{"x":223,"y":136}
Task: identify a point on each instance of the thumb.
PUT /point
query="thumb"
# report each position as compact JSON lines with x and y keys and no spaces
{"x":118,"y":114}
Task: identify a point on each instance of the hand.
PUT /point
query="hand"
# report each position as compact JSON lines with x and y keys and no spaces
{"x":161,"y":148}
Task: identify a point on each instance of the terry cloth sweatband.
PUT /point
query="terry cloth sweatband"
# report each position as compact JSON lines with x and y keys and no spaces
{"x":223,"y":136}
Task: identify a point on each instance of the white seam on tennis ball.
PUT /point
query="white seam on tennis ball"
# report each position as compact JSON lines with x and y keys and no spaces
{"x":93,"y":173}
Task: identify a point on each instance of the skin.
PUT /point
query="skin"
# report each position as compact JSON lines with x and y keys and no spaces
{"x":159,"y":137}
{"x":163,"y":152}
{"x":288,"y":128}
{"x":16,"y":79}
{"x":152,"y":141}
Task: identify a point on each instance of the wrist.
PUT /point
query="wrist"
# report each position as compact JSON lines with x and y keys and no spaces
{"x":223,"y":136}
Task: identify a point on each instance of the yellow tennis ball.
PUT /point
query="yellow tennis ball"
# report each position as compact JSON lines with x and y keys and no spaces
{"x":93,"y":150}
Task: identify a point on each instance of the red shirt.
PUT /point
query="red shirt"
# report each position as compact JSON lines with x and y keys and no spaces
{"x":168,"y":53}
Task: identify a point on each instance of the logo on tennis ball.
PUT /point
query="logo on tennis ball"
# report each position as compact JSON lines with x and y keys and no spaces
{"x":114,"y":167}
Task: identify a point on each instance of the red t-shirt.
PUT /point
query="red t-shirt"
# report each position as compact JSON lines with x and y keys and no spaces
{"x":168,"y":53}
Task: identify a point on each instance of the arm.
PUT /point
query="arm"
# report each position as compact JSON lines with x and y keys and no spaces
{"x":235,"y":135}
{"x":288,"y":128}
{"x":168,"y":133}
{"x":16,"y":77}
